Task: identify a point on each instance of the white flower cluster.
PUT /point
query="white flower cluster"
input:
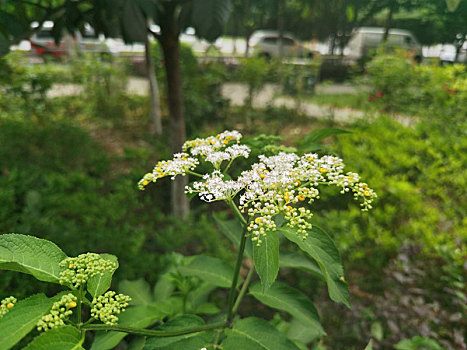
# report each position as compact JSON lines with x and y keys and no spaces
{"x":179,"y":165}
{"x":105,"y":307}
{"x":217,"y":149}
{"x":279,"y":184}
{"x":6,"y":305}
{"x":59,"y":313}
{"x":215,"y":188}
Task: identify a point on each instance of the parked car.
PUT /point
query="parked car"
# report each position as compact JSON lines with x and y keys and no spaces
{"x":265,"y":43}
{"x":448,"y":54}
{"x":44,"y":44}
{"x":364,"y":40}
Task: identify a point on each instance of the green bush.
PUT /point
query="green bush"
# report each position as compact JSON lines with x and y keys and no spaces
{"x":404,"y":87}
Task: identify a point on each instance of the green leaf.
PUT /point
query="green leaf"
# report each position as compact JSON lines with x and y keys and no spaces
{"x":139,"y":291}
{"x":22,"y":319}
{"x":209,"y":269}
{"x":98,"y":284}
{"x":266,"y":257}
{"x":232,"y":229}
{"x":311,"y":141}
{"x":62,"y":338}
{"x":377,"y":331}
{"x":137,"y":316}
{"x":369,"y":346}
{"x":256,"y":334}
{"x":291,"y":300}
{"x":186,"y":341}
{"x":295,"y":260}
{"x":137,"y":343}
{"x":209,"y":17}
{"x":163,"y":288}
{"x":322,"y":249}
{"x":28,"y":254}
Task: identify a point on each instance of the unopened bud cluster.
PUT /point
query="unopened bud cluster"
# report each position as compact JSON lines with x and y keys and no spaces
{"x":59,"y":313}
{"x":78,"y":270}
{"x":6,"y":305}
{"x":107,"y":306}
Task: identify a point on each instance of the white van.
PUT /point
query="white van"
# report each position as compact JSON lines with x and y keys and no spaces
{"x":366,"y":39}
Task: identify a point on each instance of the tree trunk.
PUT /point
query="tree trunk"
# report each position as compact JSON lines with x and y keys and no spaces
{"x":171,"y":49}
{"x":388,"y":23}
{"x":155,"y":112}
{"x":280,"y":26}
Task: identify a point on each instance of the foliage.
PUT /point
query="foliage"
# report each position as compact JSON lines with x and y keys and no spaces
{"x":103,"y":83}
{"x":182,"y":292}
{"x":403,"y":87}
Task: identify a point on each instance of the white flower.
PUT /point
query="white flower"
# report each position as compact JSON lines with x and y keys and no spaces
{"x":238,"y":151}
{"x":216,"y":158}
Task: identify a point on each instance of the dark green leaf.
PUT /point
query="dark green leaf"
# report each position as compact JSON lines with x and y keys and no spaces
{"x":4,"y":45}
{"x":137,"y":343}
{"x":22,"y":319}
{"x":298,"y":261}
{"x":232,"y":229}
{"x":322,"y":249}
{"x":138,"y":290}
{"x":209,"y":269}
{"x":163,"y":288}
{"x":291,"y":300}
{"x":209,"y":17}
{"x":62,"y":338}
{"x":312,"y":140}
{"x":98,"y":284}
{"x":186,"y":341}
{"x":266,"y":257}
{"x":31,"y":255}
{"x":255,"y":334}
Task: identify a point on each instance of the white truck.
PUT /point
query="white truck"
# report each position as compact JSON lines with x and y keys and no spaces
{"x":364,"y":40}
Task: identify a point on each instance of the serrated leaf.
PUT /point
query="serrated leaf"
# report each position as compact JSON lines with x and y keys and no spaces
{"x":256,"y":334}
{"x":22,"y":319}
{"x":209,"y":269}
{"x":291,"y":300}
{"x":322,"y":249}
{"x":186,"y":341}
{"x":139,"y":291}
{"x":137,"y":316}
{"x":232,"y":229}
{"x":31,"y":255}
{"x":266,"y":257}
{"x":62,"y":338}
{"x":99,"y":284}
{"x":295,"y":260}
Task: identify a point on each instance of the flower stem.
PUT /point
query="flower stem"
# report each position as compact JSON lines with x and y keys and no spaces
{"x":193,"y":173}
{"x":154,"y":332}
{"x":243,"y":290}
{"x":237,"y":212}
{"x":241,"y":249}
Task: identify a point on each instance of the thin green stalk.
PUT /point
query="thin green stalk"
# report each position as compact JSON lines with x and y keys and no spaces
{"x":193,"y":173}
{"x":227,"y":167}
{"x":80,"y":301}
{"x":235,"y":277}
{"x":237,"y":212}
{"x":152,"y":332}
{"x":243,"y":290}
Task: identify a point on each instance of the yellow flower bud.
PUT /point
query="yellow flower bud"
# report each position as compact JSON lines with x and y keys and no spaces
{"x":301,"y":198}
{"x":258,"y":221}
{"x":262,"y":176}
{"x":9,"y":306}
{"x":72,"y":305}
{"x":322,"y":170}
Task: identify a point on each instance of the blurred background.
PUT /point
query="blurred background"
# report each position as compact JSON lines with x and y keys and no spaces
{"x":94,"y":93}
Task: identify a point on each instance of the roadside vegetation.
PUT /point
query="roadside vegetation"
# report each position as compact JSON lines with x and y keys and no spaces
{"x":69,"y":168}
